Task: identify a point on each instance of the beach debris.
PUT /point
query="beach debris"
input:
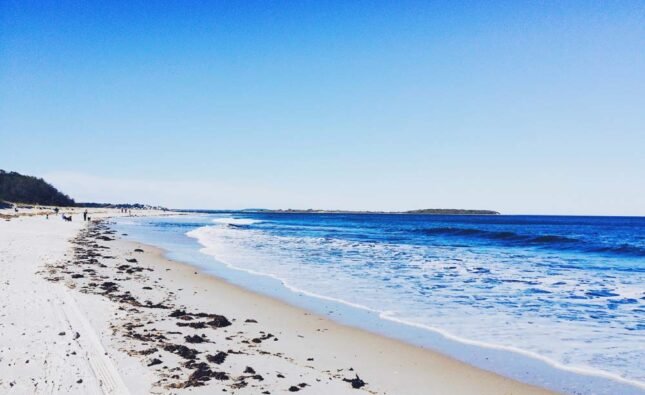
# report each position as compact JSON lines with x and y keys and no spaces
{"x":216,"y":320}
{"x":147,"y":351}
{"x":218,"y":358}
{"x":356,"y":382}
{"x":200,"y":375}
{"x":109,"y":287}
{"x":110,"y":281}
{"x":155,"y":361}
{"x":196,"y":325}
{"x":219,"y":321}
{"x":258,"y":340}
{"x":194,"y":339}
{"x":182,"y":351}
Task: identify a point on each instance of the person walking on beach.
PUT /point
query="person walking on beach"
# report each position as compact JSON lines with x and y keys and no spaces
{"x":85,"y":215}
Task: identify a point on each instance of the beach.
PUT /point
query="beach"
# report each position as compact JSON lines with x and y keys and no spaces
{"x":86,"y":311}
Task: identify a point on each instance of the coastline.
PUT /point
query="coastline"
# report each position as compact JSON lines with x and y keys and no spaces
{"x":507,"y":361}
{"x":311,"y":350}
{"x":387,"y":365}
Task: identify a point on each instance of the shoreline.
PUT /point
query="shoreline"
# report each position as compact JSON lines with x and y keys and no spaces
{"x":138,"y":321}
{"x":416,"y":371}
{"x":133,"y":321}
{"x":507,"y":362}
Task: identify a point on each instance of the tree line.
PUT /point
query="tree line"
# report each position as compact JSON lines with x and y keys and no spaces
{"x":18,"y":188}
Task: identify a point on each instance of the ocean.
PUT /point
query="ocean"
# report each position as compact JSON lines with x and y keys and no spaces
{"x":556,"y":301}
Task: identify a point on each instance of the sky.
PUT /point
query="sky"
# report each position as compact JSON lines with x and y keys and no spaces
{"x":525,"y":107}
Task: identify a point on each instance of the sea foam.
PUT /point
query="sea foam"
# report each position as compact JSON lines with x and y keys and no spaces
{"x":522,"y":303}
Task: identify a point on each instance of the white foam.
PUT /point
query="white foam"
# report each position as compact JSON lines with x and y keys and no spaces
{"x":235,"y":221}
{"x":568,"y":346}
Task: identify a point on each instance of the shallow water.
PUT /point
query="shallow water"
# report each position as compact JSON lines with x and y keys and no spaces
{"x":566,"y":290}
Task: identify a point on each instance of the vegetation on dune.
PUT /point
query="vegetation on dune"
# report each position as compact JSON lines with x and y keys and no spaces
{"x":18,"y":188}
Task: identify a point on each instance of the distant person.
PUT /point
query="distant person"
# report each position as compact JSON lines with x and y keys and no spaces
{"x":85,"y":215}
{"x":56,"y":210}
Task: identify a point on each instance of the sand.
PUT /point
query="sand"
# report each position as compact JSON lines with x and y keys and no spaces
{"x":84,"y":311}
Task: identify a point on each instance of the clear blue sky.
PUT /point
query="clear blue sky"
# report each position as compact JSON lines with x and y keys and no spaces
{"x":523,"y":107}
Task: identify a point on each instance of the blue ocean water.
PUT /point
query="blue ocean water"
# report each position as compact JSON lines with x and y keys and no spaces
{"x":567,"y":291}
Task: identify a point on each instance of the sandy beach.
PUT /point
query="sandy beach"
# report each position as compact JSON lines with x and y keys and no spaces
{"x":85,"y":311}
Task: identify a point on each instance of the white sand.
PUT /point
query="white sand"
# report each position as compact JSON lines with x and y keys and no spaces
{"x":35,"y":355}
{"x":309,"y":349}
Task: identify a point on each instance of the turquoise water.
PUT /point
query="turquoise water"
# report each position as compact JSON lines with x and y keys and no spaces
{"x":564,"y":296}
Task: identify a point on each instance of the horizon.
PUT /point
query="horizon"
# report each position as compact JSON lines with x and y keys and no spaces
{"x":521,"y":108}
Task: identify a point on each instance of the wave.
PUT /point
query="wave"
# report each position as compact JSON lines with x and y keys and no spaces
{"x":547,"y":241}
{"x":205,"y":238}
{"x":236,"y":221}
